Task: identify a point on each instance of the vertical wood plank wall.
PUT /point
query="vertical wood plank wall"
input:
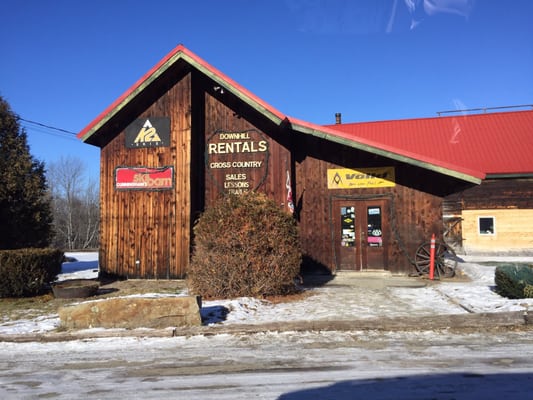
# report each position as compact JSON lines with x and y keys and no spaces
{"x":415,"y":214}
{"x":147,"y":233}
{"x":219,"y":116}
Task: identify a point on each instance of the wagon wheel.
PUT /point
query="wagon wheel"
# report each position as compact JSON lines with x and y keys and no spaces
{"x":445,"y":260}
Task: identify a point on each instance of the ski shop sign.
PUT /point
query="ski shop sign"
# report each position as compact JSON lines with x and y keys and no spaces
{"x":237,"y":161}
{"x":148,"y":132}
{"x":143,"y":178}
{"x":364,"y":178}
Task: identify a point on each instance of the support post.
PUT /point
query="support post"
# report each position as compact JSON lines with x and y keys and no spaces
{"x":432,"y":258}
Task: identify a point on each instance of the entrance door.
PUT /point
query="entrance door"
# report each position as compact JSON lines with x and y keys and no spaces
{"x":361,"y":233}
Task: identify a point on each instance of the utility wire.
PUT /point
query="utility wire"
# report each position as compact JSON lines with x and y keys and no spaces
{"x":38,"y":130}
{"x":47,"y":126}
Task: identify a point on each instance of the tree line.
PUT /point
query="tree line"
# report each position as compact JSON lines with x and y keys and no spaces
{"x":40,"y":205}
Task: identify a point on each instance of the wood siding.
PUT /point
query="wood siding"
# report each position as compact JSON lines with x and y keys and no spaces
{"x":495,"y":194}
{"x":509,"y":201}
{"x":271,"y":177}
{"x":147,"y":233}
{"x":513,"y":232}
{"x":414,"y":214}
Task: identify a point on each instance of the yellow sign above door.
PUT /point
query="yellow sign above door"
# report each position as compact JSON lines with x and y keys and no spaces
{"x":343,"y":178}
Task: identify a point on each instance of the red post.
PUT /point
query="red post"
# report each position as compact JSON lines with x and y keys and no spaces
{"x":432,"y":258}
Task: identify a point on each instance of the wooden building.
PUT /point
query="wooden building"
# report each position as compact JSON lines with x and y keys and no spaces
{"x":185,"y":134}
{"x":495,"y":217}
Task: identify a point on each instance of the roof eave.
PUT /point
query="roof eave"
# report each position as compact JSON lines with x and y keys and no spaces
{"x":517,"y":175}
{"x":129,"y":95}
{"x":180,"y":52}
{"x":474,"y":177}
{"x":236,"y":89}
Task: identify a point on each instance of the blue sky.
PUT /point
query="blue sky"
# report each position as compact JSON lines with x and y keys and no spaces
{"x":64,"y":61}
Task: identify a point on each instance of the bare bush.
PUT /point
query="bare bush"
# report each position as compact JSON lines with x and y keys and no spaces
{"x":244,"y":246}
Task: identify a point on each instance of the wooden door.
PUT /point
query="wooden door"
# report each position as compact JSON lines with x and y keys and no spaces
{"x":361,"y":233}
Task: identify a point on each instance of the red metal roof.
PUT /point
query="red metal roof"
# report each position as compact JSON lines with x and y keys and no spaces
{"x":499,"y":143}
{"x":333,"y":133}
{"x":339,"y":133}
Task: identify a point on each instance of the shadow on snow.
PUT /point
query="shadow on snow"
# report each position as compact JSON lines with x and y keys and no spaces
{"x":77,"y":266}
{"x":456,"y":386}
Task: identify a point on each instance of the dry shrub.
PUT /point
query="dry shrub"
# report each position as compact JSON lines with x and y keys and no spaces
{"x":245,"y":245}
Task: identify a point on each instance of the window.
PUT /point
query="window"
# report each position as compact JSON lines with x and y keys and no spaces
{"x":486,"y":225}
{"x":374,"y":236}
{"x":348,"y":226}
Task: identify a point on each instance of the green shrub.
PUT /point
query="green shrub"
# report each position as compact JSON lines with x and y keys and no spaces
{"x":244,"y":245}
{"x":514,"y":281}
{"x":25,"y":272}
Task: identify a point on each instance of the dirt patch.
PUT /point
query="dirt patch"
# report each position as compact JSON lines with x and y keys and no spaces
{"x":288,"y":298}
{"x":141,"y":286}
{"x":32,"y":307}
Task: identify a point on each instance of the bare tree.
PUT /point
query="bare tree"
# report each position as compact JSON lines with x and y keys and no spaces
{"x":90,"y":220}
{"x":75,"y":204}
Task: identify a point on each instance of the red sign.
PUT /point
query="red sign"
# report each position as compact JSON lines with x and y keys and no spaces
{"x":143,"y":178}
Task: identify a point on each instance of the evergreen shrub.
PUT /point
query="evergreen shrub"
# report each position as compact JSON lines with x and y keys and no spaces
{"x":25,"y":205}
{"x":25,"y":272}
{"x":244,"y":245}
{"x":514,"y":281}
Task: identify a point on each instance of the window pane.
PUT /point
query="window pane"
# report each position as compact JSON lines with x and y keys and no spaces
{"x":374,"y":235}
{"x":486,"y":225}
{"x":348,"y":226}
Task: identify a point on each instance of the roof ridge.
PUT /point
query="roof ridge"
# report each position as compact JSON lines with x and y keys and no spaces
{"x":446,"y":117}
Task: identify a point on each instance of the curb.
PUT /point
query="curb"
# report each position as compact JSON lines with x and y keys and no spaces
{"x":503,"y":320}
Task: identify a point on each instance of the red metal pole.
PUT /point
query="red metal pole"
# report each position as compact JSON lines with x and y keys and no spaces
{"x":432,"y":258}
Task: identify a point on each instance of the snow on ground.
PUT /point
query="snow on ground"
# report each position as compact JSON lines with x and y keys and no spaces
{"x":479,"y":295}
{"x":85,"y":266}
{"x":286,"y":365}
{"x":337,"y":300}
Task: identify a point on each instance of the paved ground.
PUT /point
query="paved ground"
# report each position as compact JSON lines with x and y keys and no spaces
{"x":355,"y":336}
{"x":340,"y":365}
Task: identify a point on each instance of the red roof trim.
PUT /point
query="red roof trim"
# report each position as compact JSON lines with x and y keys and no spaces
{"x":230,"y":82}
{"x":177,"y":53}
{"x":128,"y":92}
{"x":389,"y":149}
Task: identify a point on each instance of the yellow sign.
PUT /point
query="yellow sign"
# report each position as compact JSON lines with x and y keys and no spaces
{"x":343,"y":178}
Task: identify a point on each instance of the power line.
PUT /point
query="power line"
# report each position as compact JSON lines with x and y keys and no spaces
{"x":47,"y":126}
{"x":35,"y":129}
